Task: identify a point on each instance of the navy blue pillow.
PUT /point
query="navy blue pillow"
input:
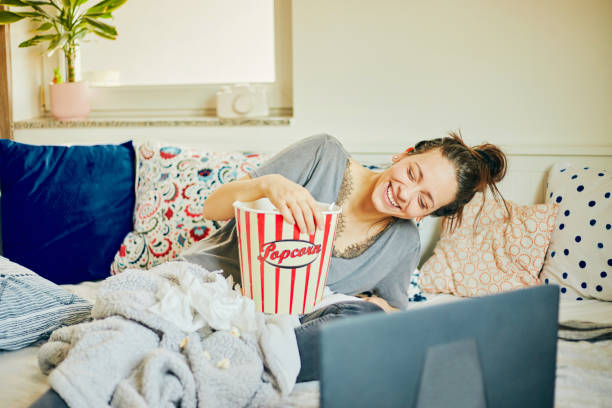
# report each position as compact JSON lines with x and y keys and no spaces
{"x":65,"y":210}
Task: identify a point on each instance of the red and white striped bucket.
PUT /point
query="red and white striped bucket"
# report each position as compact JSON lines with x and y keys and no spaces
{"x":282,"y":270}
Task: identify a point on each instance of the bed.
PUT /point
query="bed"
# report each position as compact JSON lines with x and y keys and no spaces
{"x":584,"y":360}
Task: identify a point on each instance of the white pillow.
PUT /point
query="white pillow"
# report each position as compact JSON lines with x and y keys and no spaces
{"x":579,"y":257}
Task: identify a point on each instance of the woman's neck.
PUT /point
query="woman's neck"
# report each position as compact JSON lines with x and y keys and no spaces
{"x":360,"y":205}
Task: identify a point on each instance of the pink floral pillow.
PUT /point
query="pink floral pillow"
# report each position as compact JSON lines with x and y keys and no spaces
{"x":496,"y":256}
{"x":171,"y":186}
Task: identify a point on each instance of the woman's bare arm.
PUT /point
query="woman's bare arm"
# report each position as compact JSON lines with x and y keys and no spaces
{"x":292,"y":200}
{"x":382,"y":303}
{"x":218,"y":205}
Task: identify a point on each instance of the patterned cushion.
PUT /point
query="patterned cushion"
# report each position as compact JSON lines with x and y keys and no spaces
{"x":31,"y":307}
{"x":415,"y":293}
{"x":497,"y":256}
{"x":580,"y":254}
{"x":172,"y":184}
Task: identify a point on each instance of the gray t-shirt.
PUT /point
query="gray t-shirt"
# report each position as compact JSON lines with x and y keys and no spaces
{"x":318,"y":163}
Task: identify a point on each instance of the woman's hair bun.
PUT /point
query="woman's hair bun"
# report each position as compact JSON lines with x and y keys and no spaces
{"x":494,"y":161}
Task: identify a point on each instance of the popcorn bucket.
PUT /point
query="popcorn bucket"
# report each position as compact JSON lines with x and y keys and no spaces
{"x":282,"y":270}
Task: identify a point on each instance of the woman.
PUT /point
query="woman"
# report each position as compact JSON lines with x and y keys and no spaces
{"x":377,"y":245}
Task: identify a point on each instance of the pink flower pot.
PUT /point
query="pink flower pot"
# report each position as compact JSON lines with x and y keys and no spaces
{"x":70,"y":101}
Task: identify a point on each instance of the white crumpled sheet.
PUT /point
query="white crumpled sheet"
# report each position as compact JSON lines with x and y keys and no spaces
{"x":584,"y":374}
{"x":584,"y":369}
{"x":200,"y":298}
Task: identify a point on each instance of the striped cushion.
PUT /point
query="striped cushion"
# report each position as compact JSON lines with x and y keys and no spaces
{"x":31,"y":307}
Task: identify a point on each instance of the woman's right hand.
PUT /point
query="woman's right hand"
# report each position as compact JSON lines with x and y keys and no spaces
{"x":294,"y":202}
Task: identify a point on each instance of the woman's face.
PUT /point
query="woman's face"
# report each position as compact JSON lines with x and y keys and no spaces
{"x":415,"y":185}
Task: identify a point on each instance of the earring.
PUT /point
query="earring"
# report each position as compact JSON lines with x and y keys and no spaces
{"x":395,"y":157}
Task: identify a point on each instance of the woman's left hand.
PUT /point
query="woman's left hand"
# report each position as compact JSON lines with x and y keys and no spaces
{"x":382,"y":303}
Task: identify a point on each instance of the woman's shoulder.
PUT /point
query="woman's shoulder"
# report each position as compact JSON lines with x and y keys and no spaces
{"x":316,"y":155}
{"x":406,"y":234}
{"x":323,"y":141}
{"x":321,"y":152}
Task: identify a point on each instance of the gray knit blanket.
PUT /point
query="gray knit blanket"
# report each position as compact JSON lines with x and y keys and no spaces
{"x":129,"y":356}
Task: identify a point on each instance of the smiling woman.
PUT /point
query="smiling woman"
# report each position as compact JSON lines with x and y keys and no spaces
{"x":377,"y":244}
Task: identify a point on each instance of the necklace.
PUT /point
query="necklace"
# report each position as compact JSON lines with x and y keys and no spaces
{"x":356,"y":249}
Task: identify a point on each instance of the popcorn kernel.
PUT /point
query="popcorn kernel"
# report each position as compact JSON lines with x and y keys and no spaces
{"x":223,"y":364}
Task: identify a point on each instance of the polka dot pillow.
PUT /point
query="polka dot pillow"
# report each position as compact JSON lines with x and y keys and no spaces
{"x":496,"y":256}
{"x":580,"y":254}
{"x":171,"y":186}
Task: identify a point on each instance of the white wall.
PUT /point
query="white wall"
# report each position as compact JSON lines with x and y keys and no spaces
{"x":26,"y":72}
{"x":512,"y":72}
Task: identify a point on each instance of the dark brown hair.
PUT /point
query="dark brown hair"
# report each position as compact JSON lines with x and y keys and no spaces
{"x":476,"y":167}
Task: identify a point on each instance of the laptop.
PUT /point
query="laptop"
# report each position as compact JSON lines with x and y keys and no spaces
{"x":493,"y":351}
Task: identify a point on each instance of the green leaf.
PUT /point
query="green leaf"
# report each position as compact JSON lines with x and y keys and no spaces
{"x":104,"y":35}
{"x":81,"y":2}
{"x":57,"y":43}
{"x":16,"y":3}
{"x":36,"y":40}
{"x":57,"y":76}
{"x":108,"y":29}
{"x":80,"y":34}
{"x":30,"y":14}
{"x":38,"y":13}
{"x":101,"y":15}
{"x":36,"y":3}
{"x":80,"y":24}
{"x":63,"y":18}
{"x":104,"y":7}
{"x":42,"y":11}
{"x":45,"y":27}
{"x":7,"y":17}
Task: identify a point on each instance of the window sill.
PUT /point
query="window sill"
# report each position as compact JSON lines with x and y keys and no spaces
{"x":98,"y":122}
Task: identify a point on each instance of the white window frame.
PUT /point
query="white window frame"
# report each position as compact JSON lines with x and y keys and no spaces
{"x":190,"y":100}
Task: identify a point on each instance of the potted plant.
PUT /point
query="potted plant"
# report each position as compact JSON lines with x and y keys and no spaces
{"x":62,"y":25}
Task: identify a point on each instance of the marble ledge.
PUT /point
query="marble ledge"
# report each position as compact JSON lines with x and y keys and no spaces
{"x":49,"y":123}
